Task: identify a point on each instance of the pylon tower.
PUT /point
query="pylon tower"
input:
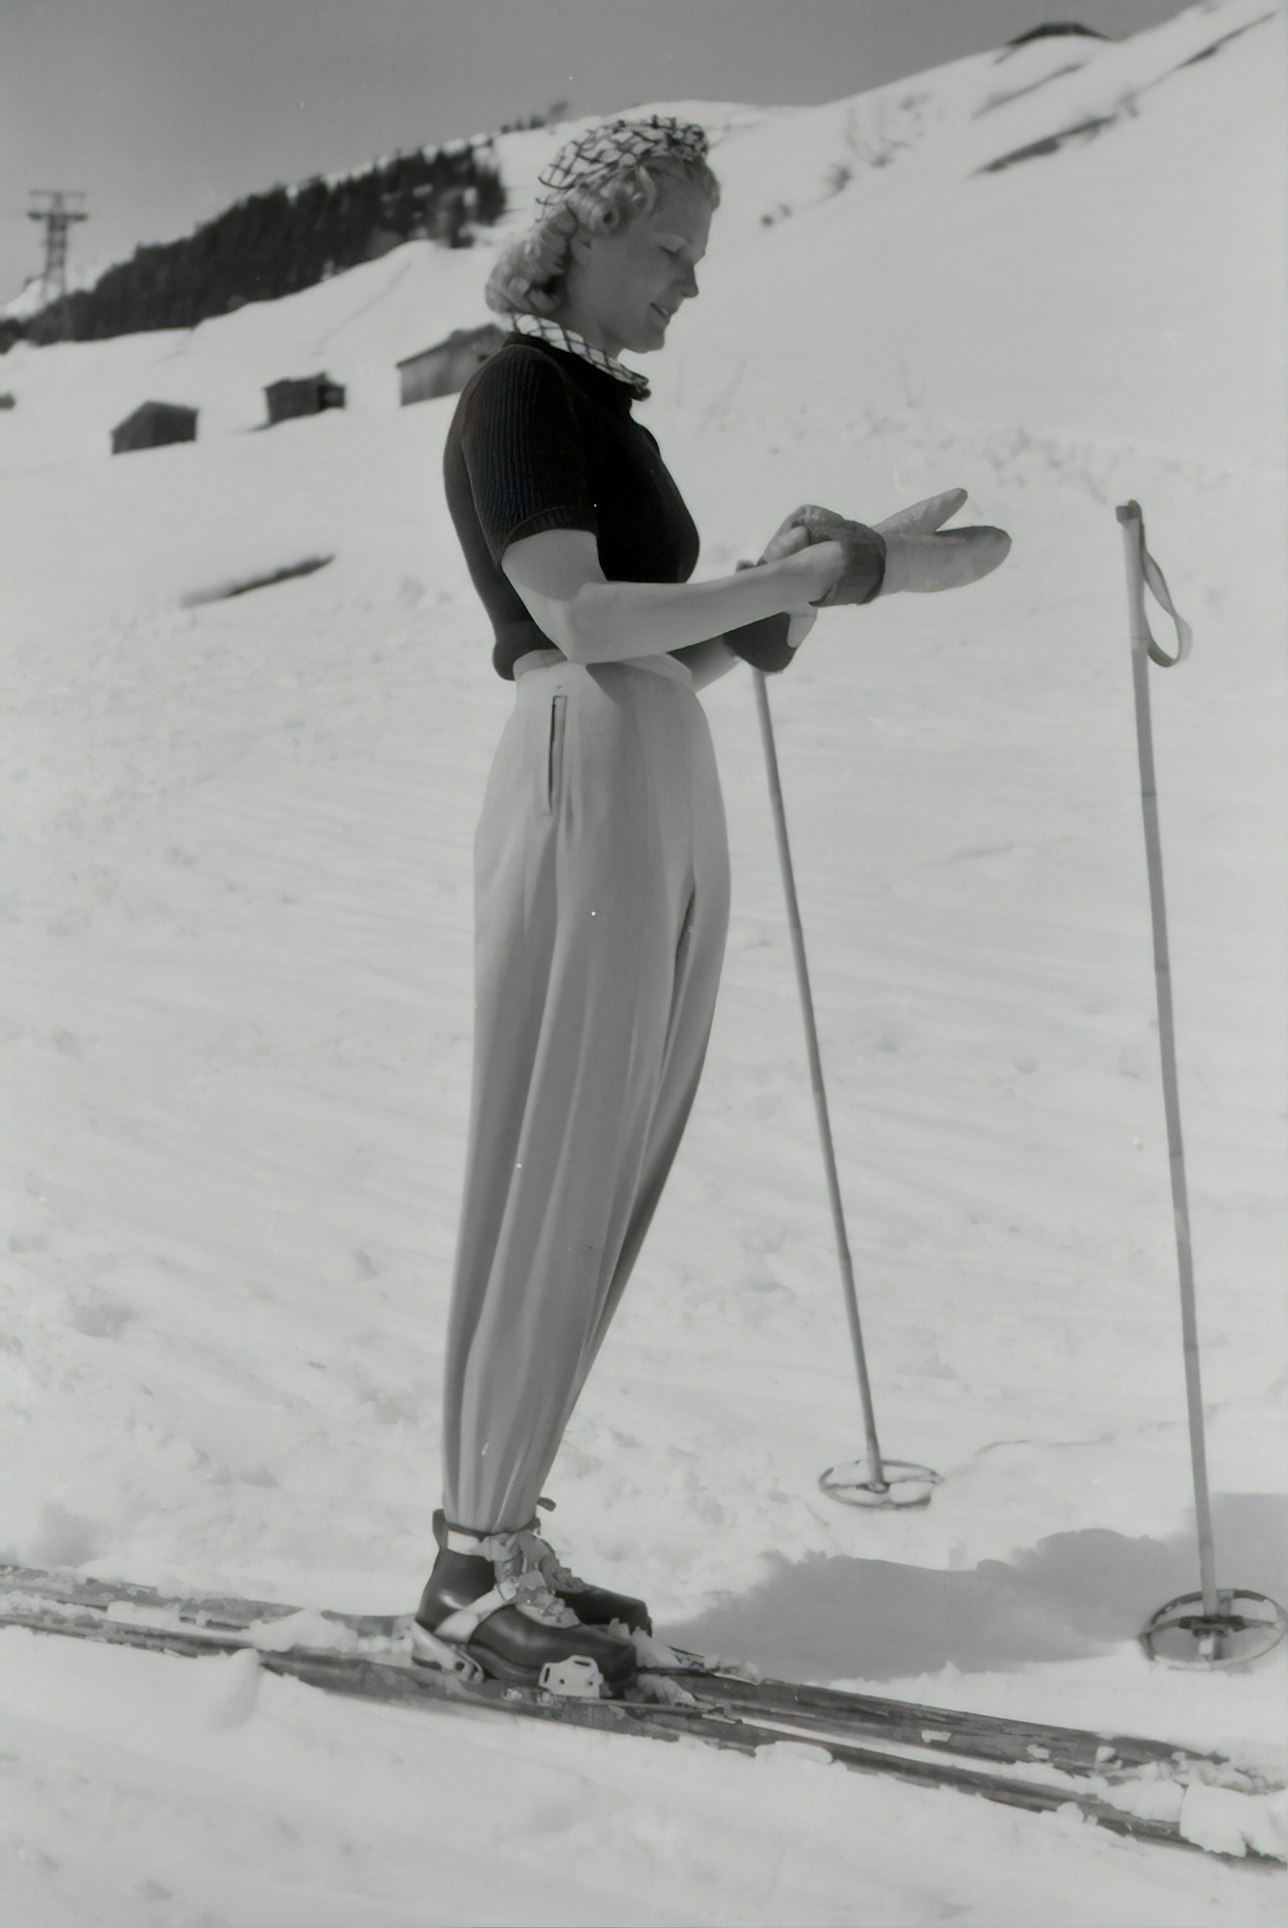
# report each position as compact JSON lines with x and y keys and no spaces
{"x":57,"y":218}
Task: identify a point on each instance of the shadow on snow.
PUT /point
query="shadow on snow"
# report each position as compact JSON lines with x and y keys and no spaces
{"x":1073,"y":1594}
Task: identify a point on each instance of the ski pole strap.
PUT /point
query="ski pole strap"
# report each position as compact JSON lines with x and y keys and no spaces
{"x":1153,"y":578}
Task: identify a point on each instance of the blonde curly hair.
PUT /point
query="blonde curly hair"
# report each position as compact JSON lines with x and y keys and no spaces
{"x":528,"y":278}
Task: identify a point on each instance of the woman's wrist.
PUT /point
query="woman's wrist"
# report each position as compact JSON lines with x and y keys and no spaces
{"x":806,"y":577}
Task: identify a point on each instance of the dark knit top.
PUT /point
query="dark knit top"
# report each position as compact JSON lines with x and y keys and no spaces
{"x":541,"y":439}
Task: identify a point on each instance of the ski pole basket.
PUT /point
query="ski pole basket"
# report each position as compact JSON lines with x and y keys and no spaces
{"x":1237,"y":1627}
{"x":879,"y":1482}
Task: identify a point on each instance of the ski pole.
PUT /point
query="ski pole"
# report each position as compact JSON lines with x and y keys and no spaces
{"x":1218,"y":1619}
{"x":1145,"y":650}
{"x":876,"y":1481}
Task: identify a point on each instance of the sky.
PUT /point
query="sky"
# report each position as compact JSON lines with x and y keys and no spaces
{"x":165,"y":111}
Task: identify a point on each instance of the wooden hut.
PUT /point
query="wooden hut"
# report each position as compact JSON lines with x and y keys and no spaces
{"x":302,"y":395}
{"x":152,"y":425}
{"x":445,"y":368}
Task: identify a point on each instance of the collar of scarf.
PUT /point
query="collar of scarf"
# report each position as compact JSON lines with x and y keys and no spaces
{"x":560,"y":337}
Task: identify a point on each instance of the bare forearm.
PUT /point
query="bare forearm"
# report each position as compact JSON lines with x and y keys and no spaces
{"x":610,"y":622}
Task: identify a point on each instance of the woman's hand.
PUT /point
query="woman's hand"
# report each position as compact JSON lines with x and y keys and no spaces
{"x":816,"y":563}
{"x":787,"y":539}
{"x":863,"y":554}
{"x":863,"y":551}
{"x":810,"y":574}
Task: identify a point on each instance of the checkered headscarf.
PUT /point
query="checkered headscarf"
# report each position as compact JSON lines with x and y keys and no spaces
{"x":613,"y":145}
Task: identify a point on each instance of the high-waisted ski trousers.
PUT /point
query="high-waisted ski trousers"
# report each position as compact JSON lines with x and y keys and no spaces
{"x":601,"y":897}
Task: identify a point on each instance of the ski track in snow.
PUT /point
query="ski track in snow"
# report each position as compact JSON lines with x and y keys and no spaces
{"x":236,"y":1034}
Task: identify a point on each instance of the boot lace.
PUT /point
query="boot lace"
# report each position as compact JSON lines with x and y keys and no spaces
{"x":557,"y":1574}
{"x":520,"y":1561}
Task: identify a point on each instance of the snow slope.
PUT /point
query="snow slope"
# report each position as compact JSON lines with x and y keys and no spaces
{"x":236,"y":1019}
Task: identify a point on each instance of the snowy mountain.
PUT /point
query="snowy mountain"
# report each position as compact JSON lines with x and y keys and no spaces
{"x":236,"y":1029}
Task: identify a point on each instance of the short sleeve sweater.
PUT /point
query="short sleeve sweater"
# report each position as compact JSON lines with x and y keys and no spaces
{"x":541,"y":439}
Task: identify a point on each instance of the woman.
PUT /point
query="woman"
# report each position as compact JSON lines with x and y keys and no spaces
{"x":601,"y":863}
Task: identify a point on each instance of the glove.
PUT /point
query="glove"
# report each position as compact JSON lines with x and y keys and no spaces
{"x":917,"y":554}
{"x":861,"y":577}
{"x":864,"y":550}
{"x":920,"y":555}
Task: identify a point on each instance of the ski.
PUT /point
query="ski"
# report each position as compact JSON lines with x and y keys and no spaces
{"x":1000,"y":1739}
{"x":401,"y":1682}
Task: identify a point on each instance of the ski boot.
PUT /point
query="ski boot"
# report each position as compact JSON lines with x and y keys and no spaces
{"x":488,"y":1611}
{"x":593,"y":1606}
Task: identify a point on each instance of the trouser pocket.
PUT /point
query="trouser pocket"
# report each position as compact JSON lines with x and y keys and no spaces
{"x":555,"y":752}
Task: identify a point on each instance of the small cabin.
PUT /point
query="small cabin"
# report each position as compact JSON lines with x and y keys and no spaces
{"x":445,"y":368}
{"x":302,"y":395}
{"x":152,"y":425}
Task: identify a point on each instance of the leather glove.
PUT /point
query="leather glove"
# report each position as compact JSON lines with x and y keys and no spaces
{"x":864,"y":550}
{"x":918,"y":554}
